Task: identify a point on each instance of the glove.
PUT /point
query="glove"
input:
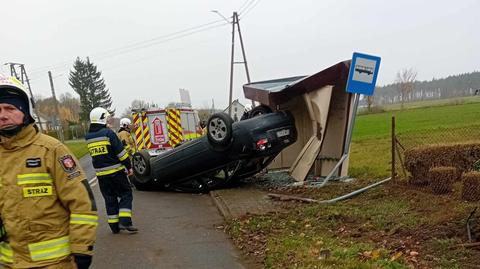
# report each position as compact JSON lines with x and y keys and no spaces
{"x":83,"y":261}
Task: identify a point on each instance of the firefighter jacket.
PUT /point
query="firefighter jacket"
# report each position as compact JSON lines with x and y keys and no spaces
{"x":127,"y":140}
{"x":46,"y":204}
{"x":106,"y":149}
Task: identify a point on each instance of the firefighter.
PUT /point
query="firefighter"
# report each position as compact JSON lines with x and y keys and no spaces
{"x":112,"y":165}
{"x":124,"y":133}
{"x":203,"y":127}
{"x":127,"y":141}
{"x":46,"y":205}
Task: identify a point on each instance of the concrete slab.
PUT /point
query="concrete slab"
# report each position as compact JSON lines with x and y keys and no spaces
{"x":243,"y":200}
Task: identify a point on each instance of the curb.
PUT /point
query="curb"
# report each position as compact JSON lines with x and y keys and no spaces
{"x":221,"y":205}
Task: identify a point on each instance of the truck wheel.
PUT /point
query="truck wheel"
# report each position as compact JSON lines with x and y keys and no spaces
{"x":219,"y":129}
{"x":141,"y":166}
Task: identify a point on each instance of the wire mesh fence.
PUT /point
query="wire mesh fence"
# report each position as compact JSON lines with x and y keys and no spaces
{"x":72,"y":132}
{"x":429,"y":137}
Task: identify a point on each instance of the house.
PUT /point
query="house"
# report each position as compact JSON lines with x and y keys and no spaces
{"x":43,"y":123}
{"x":237,"y":110}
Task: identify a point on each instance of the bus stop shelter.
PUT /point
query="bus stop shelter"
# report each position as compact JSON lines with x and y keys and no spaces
{"x":322,"y":110}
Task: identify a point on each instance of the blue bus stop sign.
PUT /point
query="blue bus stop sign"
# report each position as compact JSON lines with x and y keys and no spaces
{"x":363,"y":73}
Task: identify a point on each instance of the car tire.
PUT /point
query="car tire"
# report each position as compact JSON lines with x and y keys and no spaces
{"x":141,"y":166}
{"x":141,"y":185}
{"x":219,"y":129}
{"x":259,"y":110}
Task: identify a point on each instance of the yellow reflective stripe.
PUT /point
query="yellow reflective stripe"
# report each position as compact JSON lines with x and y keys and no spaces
{"x":6,"y":253}
{"x":112,"y":218}
{"x":125,"y":156}
{"x":110,"y":171}
{"x":34,"y":178}
{"x":50,"y":249}
{"x":21,"y":176}
{"x":191,"y":136}
{"x":84,"y":219}
{"x":125,"y":214}
{"x":175,"y":125}
{"x":100,"y":143}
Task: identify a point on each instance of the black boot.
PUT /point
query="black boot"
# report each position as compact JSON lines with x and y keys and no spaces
{"x":114,"y":227}
{"x":130,"y":229}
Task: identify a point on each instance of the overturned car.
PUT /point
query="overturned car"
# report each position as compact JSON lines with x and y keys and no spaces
{"x":228,"y":152}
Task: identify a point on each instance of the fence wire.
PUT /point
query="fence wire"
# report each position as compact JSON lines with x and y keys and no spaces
{"x":437,"y":136}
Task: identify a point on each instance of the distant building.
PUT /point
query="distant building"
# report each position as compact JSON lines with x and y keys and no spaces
{"x":45,"y":124}
{"x":237,"y":110}
{"x":185,"y":97}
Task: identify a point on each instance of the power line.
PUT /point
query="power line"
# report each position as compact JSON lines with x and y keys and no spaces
{"x":160,"y":41}
{"x":146,"y":58}
{"x":146,"y":45}
{"x":137,"y":45}
{"x":246,"y":11}
{"x":246,"y":6}
{"x":243,"y":5}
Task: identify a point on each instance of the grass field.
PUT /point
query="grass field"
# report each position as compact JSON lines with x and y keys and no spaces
{"x":432,"y":103}
{"x":78,"y":147}
{"x":392,"y":226}
{"x":371,"y":142}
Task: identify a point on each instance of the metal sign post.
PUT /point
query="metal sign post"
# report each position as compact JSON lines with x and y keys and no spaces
{"x":362,"y":78}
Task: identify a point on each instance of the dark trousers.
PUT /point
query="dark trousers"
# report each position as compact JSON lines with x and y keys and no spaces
{"x":118,"y":197}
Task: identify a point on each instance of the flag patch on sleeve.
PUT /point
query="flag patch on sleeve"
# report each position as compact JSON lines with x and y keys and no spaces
{"x":68,"y":163}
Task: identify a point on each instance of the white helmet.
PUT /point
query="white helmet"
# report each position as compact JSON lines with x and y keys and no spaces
{"x":99,"y":115}
{"x":13,"y":87}
{"x":125,"y":122}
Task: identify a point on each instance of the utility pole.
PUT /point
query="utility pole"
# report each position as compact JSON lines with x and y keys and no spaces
{"x":24,"y":79}
{"x":58,"y":122}
{"x":235,"y":21}
{"x":231,"y":67}
{"x":243,"y":51}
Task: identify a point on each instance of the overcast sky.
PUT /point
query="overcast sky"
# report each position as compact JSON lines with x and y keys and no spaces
{"x":131,"y":42}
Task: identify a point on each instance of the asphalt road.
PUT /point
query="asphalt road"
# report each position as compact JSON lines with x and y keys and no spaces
{"x":176,"y":231}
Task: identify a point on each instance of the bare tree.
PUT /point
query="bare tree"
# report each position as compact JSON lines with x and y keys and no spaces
{"x":204,"y":113}
{"x":139,"y":104}
{"x":370,"y":100}
{"x":127,"y":113}
{"x":405,"y":83}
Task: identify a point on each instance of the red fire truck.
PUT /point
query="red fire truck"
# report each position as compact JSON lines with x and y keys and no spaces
{"x":162,"y":129}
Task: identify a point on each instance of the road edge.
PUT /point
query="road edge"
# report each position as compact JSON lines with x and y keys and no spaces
{"x":221,"y":205}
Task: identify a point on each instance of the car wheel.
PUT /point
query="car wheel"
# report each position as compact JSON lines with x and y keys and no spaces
{"x":141,"y":166}
{"x":259,"y":110}
{"x":219,"y":129}
{"x":141,"y":184}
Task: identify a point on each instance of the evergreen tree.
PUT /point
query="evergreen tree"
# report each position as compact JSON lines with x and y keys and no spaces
{"x":87,"y":81}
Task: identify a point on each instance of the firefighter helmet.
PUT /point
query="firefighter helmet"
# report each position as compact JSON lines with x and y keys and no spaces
{"x":99,"y":115}
{"x":11,"y":86}
{"x":124,"y":122}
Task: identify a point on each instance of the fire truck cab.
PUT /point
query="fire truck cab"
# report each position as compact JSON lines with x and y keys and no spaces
{"x":163,"y":129}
